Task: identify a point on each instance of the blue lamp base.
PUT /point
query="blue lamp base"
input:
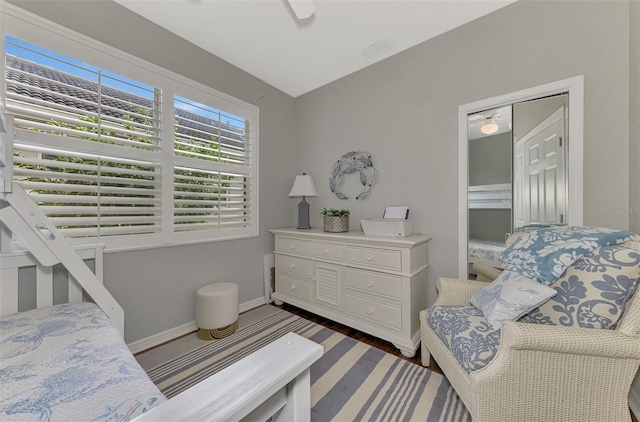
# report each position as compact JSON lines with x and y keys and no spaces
{"x":303,"y":214}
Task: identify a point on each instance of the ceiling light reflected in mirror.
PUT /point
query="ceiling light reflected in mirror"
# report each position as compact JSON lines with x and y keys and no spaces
{"x":489,"y":122}
{"x":489,"y":128}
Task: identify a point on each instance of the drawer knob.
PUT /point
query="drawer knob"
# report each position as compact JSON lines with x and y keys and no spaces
{"x":369,"y":283}
{"x":292,"y":246}
{"x":292,"y":287}
{"x":292,"y":266}
{"x":369,"y":257}
{"x":325,"y":251}
{"x":369,"y":311}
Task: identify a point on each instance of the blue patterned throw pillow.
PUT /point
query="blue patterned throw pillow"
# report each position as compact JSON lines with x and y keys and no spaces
{"x":510,"y":296}
{"x":593,"y":291}
{"x":545,"y":254}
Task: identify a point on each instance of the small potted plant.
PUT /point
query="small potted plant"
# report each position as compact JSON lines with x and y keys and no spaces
{"x":335,"y":221}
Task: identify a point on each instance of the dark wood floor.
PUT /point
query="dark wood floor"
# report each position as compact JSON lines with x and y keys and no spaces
{"x":366,"y":338}
{"x":358,"y":335}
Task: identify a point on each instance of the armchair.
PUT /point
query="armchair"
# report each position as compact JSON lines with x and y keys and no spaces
{"x":539,"y":372}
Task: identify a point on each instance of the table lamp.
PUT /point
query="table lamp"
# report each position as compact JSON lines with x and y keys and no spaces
{"x":302,"y":187}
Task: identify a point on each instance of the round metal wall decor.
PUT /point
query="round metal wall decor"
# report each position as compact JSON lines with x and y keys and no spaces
{"x":353,"y":162}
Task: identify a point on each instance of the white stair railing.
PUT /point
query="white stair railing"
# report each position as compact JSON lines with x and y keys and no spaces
{"x":38,"y":234}
{"x":6,"y":152}
{"x":22,"y":217}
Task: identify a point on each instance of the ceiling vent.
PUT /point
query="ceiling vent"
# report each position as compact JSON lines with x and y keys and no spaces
{"x":376,"y":48}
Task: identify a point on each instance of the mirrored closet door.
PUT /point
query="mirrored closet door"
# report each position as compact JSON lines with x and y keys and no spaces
{"x":517,"y":173}
{"x":520,"y":159}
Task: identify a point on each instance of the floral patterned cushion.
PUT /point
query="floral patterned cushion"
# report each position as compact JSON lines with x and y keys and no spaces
{"x":593,"y":291}
{"x":544,"y":254}
{"x":466,"y":333}
{"x":510,"y":296}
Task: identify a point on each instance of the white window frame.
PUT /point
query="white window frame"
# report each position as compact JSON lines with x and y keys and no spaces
{"x":39,"y":31}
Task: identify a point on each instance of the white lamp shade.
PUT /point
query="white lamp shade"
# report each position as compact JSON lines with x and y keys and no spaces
{"x":303,"y":186}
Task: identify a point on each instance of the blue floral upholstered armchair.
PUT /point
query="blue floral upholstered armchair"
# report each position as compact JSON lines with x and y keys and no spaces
{"x":555,"y":337}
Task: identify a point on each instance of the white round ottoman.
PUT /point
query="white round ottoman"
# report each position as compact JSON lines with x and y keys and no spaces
{"x":217,"y":310}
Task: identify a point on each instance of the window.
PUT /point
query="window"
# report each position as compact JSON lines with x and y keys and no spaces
{"x":129,"y":155}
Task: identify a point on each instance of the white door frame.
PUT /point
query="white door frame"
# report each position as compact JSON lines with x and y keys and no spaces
{"x":575,"y":87}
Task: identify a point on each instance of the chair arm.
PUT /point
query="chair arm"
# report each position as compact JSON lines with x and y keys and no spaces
{"x":486,"y":272}
{"x":453,"y":291}
{"x":545,"y":372}
{"x":569,"y":340}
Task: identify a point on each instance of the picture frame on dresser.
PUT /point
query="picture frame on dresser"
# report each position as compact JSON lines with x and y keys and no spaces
{"x":374,"y":284}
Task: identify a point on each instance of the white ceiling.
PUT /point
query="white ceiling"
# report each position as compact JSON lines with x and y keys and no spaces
{"x":265,"y":39}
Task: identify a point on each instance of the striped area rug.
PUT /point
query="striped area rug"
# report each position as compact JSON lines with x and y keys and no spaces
{"x":352,"y":381}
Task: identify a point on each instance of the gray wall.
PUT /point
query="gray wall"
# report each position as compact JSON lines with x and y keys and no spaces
{"x":403,"y":110}
{"x":489,"y":224}
{"x":634,"y":135}
{"x":634,"y":116}
{"x":156,"y":287}
{"x":490,"y":160}
{"x":490,"y":163}
{"x":530,"y":114}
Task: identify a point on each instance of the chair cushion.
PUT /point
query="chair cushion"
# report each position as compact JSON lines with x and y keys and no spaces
{"x":544,"y":254}
{"x":593,"y":291}
{"x":510,"y":296}
{"x":465,"y":331}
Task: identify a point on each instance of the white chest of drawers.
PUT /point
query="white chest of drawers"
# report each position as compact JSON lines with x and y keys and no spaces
{"x":373,"y":284}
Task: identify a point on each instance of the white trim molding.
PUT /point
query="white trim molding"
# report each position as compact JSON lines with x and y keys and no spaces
{"x":173,"y":333}
{"x":575,"y":87}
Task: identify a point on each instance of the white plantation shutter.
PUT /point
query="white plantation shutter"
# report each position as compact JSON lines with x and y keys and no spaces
{"x":51,"y":100}
{"x":91,"y":196}
{"x":206,"y":133}
{"x":210,"y":200}
{"x":212,"y":190}
{"x":112,"y":158}
{"x":85,"y":195}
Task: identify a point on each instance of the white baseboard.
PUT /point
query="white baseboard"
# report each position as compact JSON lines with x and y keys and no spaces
{"x":634,"y":398}
{"x":156,"y":339}
{"x":259,"y":301}
{"x":172,"y":333}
